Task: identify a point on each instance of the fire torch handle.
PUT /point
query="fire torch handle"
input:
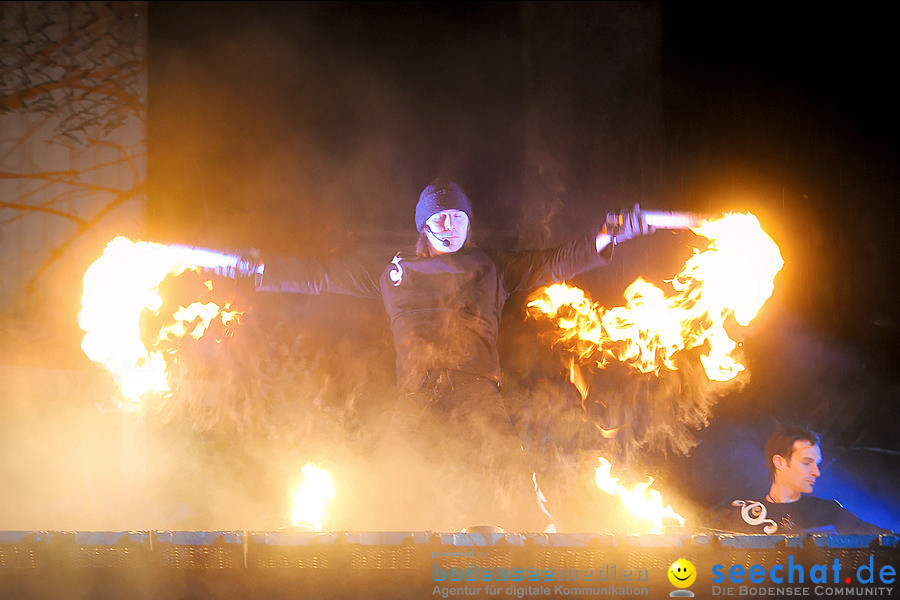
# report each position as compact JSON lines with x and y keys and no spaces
{"x":223,"y":264}
{"x":660,"y":219}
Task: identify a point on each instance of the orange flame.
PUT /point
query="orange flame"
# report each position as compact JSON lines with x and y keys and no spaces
{"x":642,"y":501}
{"x":311,"y":497}
{"x":188,"y":315}
{"x":118,"y":287}
{"x":733,"y":277}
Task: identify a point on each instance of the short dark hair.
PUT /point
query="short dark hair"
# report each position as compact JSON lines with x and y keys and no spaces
{"x":782,"y":443}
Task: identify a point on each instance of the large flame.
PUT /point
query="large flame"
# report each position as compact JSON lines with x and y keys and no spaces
{"x":118,"y":288}
{"x":733,"y":277}
{"x":642,"y":501}
{"x":311,"y":497}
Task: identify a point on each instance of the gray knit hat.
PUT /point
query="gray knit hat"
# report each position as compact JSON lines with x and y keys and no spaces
{"x":440,"y":195}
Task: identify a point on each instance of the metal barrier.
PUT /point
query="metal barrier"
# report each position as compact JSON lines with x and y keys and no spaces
{"x":291,"y":564}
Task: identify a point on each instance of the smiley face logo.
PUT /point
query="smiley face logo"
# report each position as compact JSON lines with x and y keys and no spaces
{"x":682,"y":573}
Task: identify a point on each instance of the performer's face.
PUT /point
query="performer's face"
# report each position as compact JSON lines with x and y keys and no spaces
{"x":800,"y":471}
{"x":447,"y":230}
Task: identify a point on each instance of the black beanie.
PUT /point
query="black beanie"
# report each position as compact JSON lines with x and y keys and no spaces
{"x":440,"y":195}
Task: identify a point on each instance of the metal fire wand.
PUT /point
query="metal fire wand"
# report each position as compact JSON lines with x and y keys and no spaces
{"x":670,"y":219}
{"x":659,"y":219}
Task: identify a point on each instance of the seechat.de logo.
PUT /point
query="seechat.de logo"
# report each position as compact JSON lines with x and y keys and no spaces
{"x":798,"y":579}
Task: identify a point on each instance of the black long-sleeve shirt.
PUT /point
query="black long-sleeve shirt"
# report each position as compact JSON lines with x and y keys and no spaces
{"x":445,"y":309}
{"x":808,"y":514}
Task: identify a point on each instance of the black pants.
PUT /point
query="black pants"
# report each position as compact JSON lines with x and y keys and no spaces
{"x":477,"y":471}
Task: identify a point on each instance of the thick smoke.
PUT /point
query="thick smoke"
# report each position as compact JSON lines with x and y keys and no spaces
{"x":300,"y":130}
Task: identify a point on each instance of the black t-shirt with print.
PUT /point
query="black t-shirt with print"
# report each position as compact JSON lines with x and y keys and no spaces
{"x":808,"y":514}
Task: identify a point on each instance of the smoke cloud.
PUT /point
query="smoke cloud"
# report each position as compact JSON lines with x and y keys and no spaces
{"x":295,"y":130}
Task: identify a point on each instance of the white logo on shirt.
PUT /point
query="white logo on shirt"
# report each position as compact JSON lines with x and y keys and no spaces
{"x":396,"y":273}
{"x":754,"y":513}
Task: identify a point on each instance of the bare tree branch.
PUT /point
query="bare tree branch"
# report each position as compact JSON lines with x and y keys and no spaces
{"x":42,"y":209}
{"x":58,"y":252}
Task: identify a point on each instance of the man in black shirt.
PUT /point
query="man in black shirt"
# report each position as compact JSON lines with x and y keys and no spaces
{"x":793,"y":456}
{"x":444,"y":301}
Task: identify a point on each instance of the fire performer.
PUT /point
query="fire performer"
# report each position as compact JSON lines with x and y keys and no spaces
{"x":793,"y":456}
{"x":444,"y":302}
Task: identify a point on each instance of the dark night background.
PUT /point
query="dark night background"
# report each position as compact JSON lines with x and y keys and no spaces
{"x":312,"y":127}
